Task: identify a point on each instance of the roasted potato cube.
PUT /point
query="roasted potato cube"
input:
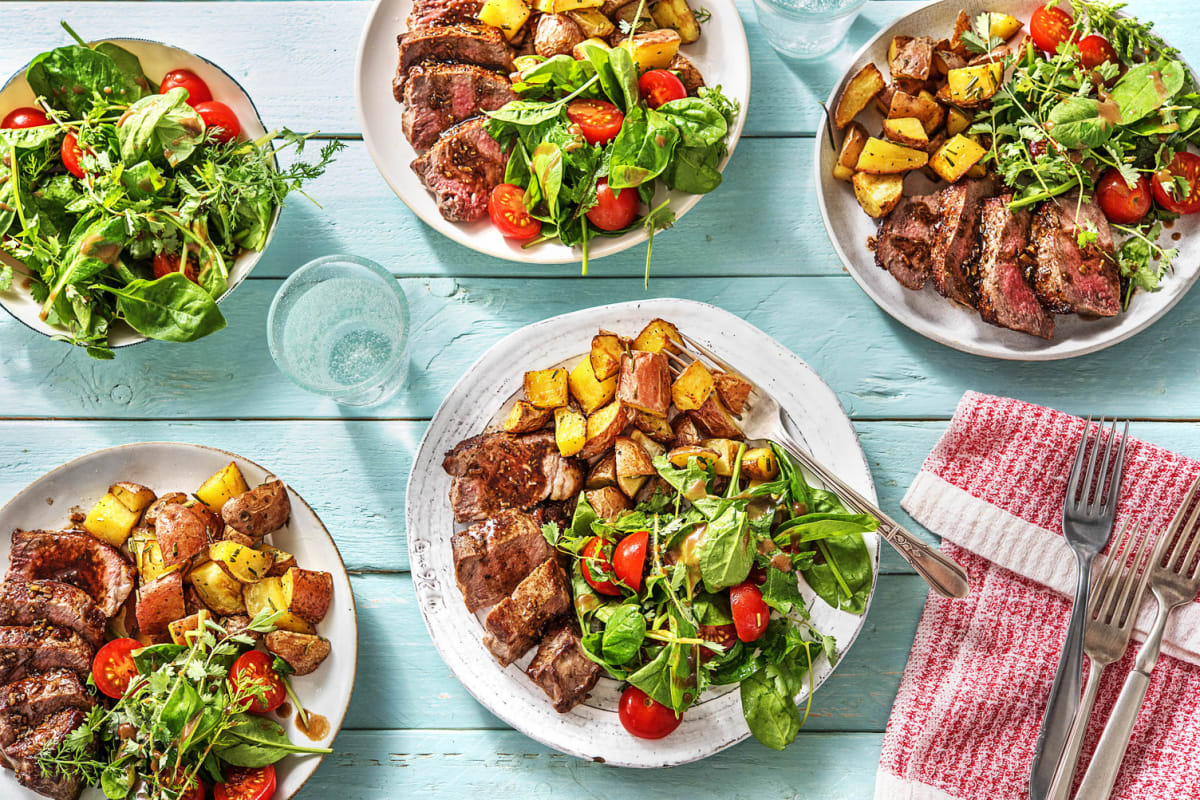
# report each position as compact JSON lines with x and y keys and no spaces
{"x":603,"y":428}
{"x":970,"y":87}
{"x":507,"y":15}
{"x":632,"y":460}
{"x":555,"y":35}
{"x":657,"y":336}
{"x":281,"y":561}
{"x":267,"y":595}
{"x":623,"y":18}
{"x":603,"y":474}
{"x":244,"y":563}
{"x":546,"y":388}
{"x":686,"y":431}
{"x":677,"y":15}
{"x":852,"y":145}
{"x":653,"y":50}
{"x":1002,"y":26}
{"x":150,"y":561}
{"x":962,"y":24}
{"x":133,"y":496}
{"x":714,"y":418}
{"x":191,"y":624}
{"x":680,"y":456}
{"x":606,"y":355}
{"x":181,"y":533}
{"x":908,"y":131}
{"x":110,"y":520}
{"x":222,"y":486}
{"x":593,"y":24}
{"x":644,"y":383}
{"x":303,"y":652}
{"x":307,"y":593}
{"x":150,"y":517}
{"x":760,"y":464}
{"x":692,"y":387}
{"x":956,"y":157}
{"x":570,"y":430}
{"x":861,"y":89}
{"x":654,"y":426}
{"x":587,"y":389}
{"x":260,"y":511}
{"x":608,"y":502}
{"x":559,"y":6}
{"x":159,"y":603}
{"x":842,"y":173}
{"x":726,"y":450}
{"x":921,"y":106}
{"x":652,"y":448}
{"x":957,"y":121}
{"x":910,"y":58}
{"x":526,"y":418}
{"x":977,"y":171}
{"x":220,"y":591}
{"x":631,"y":485}
{"x":733,"y":390}
{"x":878,"y":194}
{"x":881,"y":157}
{"x":937,"y":113}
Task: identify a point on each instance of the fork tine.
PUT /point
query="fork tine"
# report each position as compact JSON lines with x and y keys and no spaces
{"x":1089,"y":478}
{"x":713,"y":357}
{"x":1073,"y":477}
{"x":1190,"y":533}
{"x":1135,"y":604}
{"x":1177,"y":525}
{"x":1110,"y":577}
{"x":1121,"y":610}
{"x":1101,"y":501}
{"x":1118,"y":469}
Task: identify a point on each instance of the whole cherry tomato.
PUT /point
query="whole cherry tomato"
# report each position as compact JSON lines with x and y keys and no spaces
{"x":255,"y":667}
{"x":197,"y":89}
{"x":25,"y":117}
{"x":1050,"y":26}
{"x":1094,"y":50}
{"x":1169,"y":194}
{"x":113,"y":667}
{"x":506,"y":207}
{"x":597,"y":567}
{"x":750,"y":613}
{"x":1119,"y":202}
{"x":629,"y":559}
{"x":645,"y":717}
{"x":219,"y":118}
{"x":658,"y":86}
{"x":613,"y":212}
{"x":598,"y":120}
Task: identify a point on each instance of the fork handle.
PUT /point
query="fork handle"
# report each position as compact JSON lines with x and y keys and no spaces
{"x":1064,"y":776}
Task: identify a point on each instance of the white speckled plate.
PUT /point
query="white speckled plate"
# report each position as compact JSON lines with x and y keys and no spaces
{"x":592,"y":730}
{"x":721,"y":54}
{"x":927,"y":312}
{"x":173,"y":466}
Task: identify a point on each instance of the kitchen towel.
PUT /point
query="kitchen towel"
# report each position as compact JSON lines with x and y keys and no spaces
{"x":972,"y":696}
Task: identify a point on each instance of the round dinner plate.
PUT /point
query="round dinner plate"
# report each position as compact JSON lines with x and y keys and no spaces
{"x":592,"y":730}
{"x":172,"y":466}
{"x":721,"y":54}
{"x":927,"y":312}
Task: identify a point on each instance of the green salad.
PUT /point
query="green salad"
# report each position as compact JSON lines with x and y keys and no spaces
{"x":720,"y":601}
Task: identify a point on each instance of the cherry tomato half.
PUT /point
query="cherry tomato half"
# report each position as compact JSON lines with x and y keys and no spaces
{"x":71,"y":154}
{"x":659,"y":86}
{"x":113,"y":667}
{"x":1050,"y":26}
{"x":750,"y":613}
{"x":629,"y":559}
{"x":723,"y":635}
{"x":255,"y":667}
{"x":597,"y":567}
{"x":166,"y":263}
{"x":506,"y":207}
{"x":600,"y":121}
{"x":245,"y":783}
{"x":1119,"y":203}
{"x":197,"y":89}
{"x":613,"y":212}
{"x":1168,"y":193}
{"x":217,"y":115}
{"x":1094,"y":50}
{"x":645,"y":717}
{"x":25,"y":117}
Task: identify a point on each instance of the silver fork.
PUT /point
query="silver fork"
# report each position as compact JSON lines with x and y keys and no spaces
{"x":763,"y":418}
{"x":1174,"y":581}
{"x":1118,"y":595}
{"x":1087,"y":526}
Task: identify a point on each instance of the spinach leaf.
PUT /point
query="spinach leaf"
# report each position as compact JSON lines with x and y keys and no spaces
{"x":699,"y":123}
{"x":694,"y":169}
{"x":726,"y":553}
{"x":642,"y":150}
{"x":256,"y":742}
{"x":161,"y":125}
{"x":812,"y":527}
{"x":129,"y":65}
{"x":526,"y":113}
{"x":582,"y":519}
{"x":1146,"y":88}
{"x":624,"y":70}
{"x":170,"y":308}
{"x":28,"y":138}
{"x":691,"y":481}
{"x":843,"y":578}
{"x":624,"y":633}
{"x":180,"y":706}
{"x":769,"y":706}
{"x":1077,"y":121}
{"x":655,"y":677}
{"x":561,"y":73}
{"x":547,"y":167}
{"x":93,"y":249}
{"x":142,"y":180}
{"x":71,"y":79}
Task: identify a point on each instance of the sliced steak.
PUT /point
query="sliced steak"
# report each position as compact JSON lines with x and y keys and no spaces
{"x":24,"y":602}
{"x":955,"y":236}
{"x":1005,"y":298}
{"x":1069,"y":277}
{"x":461,"y":169}
{"x":75,"y":558}
{"x":562,"y":669}
{"x":905,"y":239}
{"x":26,"y":649}
{"x":435,"y":13}
{"x":49,"y":733}
{"x":439,"y":96}
{"x":493,"y":556}
{"x":496,"y":471}
{"x":481,"y":45}
{"x":33,"y":698}
{"x":516,"y":623}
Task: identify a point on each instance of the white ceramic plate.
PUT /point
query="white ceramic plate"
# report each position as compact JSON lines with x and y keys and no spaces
{"x":157,"y":60}
{"x":721,"y":54}
{"x":927,"y":312}
{"x":592,"y":730}
{"x":172,"y":466}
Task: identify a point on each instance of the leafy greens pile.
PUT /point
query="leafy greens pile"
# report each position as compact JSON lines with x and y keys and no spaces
{"x":701,"y":544}
{"x":156,"y":182}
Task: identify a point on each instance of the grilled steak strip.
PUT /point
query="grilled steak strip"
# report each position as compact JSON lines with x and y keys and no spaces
{"x":439,"y":96}
{"x":496,"y":471}
{"x":38,"y":648}
{"x":562,"y":669}
{"x":49,"y":733}
{"x":77,"y":559}
{"x":1069,"y":277}
{"x":33,"y":698}
{"x":516,"y":623}
{"x":493,"y":556}
{"x":24,"y":602}
{"x":956,"y":235}
{"x":1004,"y":297}
{"x":461,"y":169}
{"x":905,"y":240}
{"x":435,"y":13}
{"x":481,"y":45}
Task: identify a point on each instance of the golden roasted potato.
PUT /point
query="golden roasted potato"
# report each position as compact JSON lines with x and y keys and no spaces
{"x":692,"y":387}
{"x":110,"y":520}
{"x":936,"y":116}
{"x":603,"y":428}
{"x":526,"y":418}
{"x":908,"y":131}
{"x":603,"y":474}
{"x":307,"y":593}
{"x":977,"y":171}
{"x":922,"y":106}
{"x":714,"y":418}
{"x":680,"y":456}
{"x":587,"y":389}
{"x":1002,"y":26}
{"x":644,"y":383}
{"x":971,"y":87}
{"x":881,"y":157}
{"x":546,"y":388}
{"x":222,"y":486}
{"x":852,"y":145}
{"x":570,"y":430}
{"x":878,"y":194}
{"x":150,"y":561}
{"x":657,"y":336}
{"x":607,"y":502}
{"x":507,"y":15}
{"x":910,"y":58}
{"x":653,"y":50}
{"x":281,"y":561}
{"x":957,"y":121}
{"x":220,"y":592}
{"x":760,"y":464}
{"x":133,"y":496}
{"x":159,"y":603}
{"x":686,"y":431}
{"x":652,"y":448}
{"x":192,"y":624}
{"x":842,"y":173}
{"x":606,"y":355}
{"x":181,"y":533}
{"x":244,"y":563}
{"x":303,"y":652}
{"x":632,"y":459}
{"x":726,"y":450}
{"x":962,"y":24}
{"x":676,"y":15}
{"x":654,"y":426}
{"x":259,"y":511}
{"x":956,"y":157}
{"x":733,"y":390}
{"x":559,"y":6}
{"x":861,"y":89}
{"x":267,"y":595}
{"x":593,"y":24}
{"x":625,"y":14}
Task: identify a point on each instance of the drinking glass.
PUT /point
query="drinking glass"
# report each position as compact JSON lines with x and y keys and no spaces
{"x":338,"y":327}
{"x":806,"y":28}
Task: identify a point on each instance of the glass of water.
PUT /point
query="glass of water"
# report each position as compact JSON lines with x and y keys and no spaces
{"x":338,"y":327}
{"x":806,"y":28}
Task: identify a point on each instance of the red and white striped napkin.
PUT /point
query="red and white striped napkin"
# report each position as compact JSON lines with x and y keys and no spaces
{"x":972,"y":696}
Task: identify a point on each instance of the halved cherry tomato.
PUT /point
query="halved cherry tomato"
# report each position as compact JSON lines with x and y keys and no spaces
{"x":1094,"y":50}
{"x":25,"y":117}
{"x":1050,"y":26}
{"x":1119,"y":203}
{"x":750,"y":613}
{"x":723,"y":635}
{"x":71,"y":153}
{"x":659,"y":86}
{"x":244,"y":783}
{"x":197,"y":89}
{"x":113,"y":667}
{"x":1168,"y":193}
{"x":218,"y":116}
{"x":758,"y":575}
{"x":613,"y":212}
{"x":506,"y":207}
{"x":597,"y":567}
{"x":599,"y":120}
{"x":254,"y":667}
{"x":166,"y":263}
{"x":645,"y":717}
{"x":629,"y":559}
{"x":198,"y":790}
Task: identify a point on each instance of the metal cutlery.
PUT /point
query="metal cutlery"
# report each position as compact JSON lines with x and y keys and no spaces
{"x":1088,"y":511}
{"x":1174,"y":580}
{"x":763,"y":418}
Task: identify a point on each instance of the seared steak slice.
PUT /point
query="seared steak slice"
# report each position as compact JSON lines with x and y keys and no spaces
{"x":461,"y":169}
{"x":956,"y":235}
{"x":496,"y":471}
{"x":562,"y":669}
{"x":75,"y":558}
{"x":493,"y":556}
{"x":516,"y":623}
{"x":31,"y":699}
{"x":481,"y":45}
{"x":38,"y":648}
{"x":905,"y":240}
{"x":440,"y":96}
{"x":25,"y":602}
{"x":49,"y":733}
{"x":1069,"y":277}
{"x":432,"y":13}
{"x":1005,"y":298}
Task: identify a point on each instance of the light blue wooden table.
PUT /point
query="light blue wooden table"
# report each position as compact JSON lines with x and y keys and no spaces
{"x":755,"y":247}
